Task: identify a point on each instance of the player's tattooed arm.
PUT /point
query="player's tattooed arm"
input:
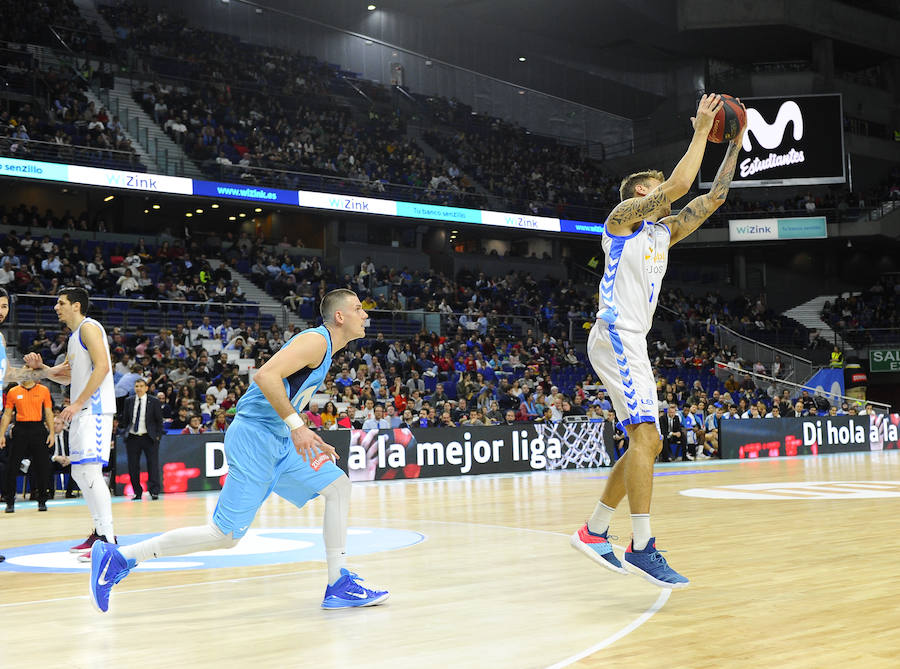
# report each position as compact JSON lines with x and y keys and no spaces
{"x":22,"y":374}
{"x":700,"y":208}
{"x":636,"y":209}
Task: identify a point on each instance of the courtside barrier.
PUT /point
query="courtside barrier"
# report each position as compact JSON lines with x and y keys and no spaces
{"x":813,"y":435}
{"x":197,"y":462}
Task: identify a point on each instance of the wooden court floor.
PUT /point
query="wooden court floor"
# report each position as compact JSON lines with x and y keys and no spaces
{"x":797,"y":568}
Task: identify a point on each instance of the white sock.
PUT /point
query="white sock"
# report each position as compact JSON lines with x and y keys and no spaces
{"x":599,"y":522}
{"x":640,"y":527}
{"x":334,"y":525}
{"x":96,"y":495}
{"x":179,"y":542}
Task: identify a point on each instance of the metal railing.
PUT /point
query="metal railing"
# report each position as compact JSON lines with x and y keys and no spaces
{"x":129,"y":313}
{"x":774,"y":388}
{"x":401,"y":323}
{"x":69,"y":154}
{"x":861,"y":339}
{"x":408,"y":323}
{"x":794,"y":367}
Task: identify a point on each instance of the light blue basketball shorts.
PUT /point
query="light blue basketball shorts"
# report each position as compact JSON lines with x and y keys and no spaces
{"x":260,"y":463}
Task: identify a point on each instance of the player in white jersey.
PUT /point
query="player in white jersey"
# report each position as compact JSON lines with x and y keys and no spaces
{"x":92,"y":403}
{"x":636,"y":239}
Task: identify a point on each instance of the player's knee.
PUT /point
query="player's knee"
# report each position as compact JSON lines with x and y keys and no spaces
{"x":82,"y":474}
{"x":339,"y":488}
{"x":220,"y":539}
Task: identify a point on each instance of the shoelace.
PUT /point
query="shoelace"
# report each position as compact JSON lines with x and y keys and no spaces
{"x":121,"y":575}
{"x":657,"y":557}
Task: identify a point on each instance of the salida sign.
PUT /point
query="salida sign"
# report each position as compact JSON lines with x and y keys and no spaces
{"x":794,"y":140}
{"x":884,"y":360}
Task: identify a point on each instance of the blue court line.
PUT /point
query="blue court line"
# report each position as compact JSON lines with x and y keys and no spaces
{"x":681,"y":473}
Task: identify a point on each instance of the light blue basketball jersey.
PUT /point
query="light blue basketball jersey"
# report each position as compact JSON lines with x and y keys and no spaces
{"x":299,"y":386}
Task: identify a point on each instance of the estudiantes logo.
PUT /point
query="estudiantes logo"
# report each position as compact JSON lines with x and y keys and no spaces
{"x":771,"y":136}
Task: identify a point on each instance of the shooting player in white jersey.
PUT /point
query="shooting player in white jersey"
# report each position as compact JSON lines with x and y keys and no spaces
{"x":92,"y":404}
{"x":636,"y":239}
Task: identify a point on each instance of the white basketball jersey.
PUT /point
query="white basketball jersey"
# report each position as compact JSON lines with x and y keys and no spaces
{"x":635,"y":267}
{"x":103,"y":401}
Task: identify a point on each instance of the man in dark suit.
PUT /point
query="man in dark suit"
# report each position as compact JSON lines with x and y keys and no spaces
{"x":142,"y":421}
{"x":672,"y":433}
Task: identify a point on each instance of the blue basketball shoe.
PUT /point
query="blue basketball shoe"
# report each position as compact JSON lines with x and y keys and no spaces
{"x":108,"y":567}
{"x":598,"y":548}
{"x":347,"y":593}
{"x":653,"y":566}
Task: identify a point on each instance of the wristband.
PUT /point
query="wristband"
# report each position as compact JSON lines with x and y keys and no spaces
{"x":293,"y":421}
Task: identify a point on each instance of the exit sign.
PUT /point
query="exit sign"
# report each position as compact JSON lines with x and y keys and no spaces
{"x":884,"y":359}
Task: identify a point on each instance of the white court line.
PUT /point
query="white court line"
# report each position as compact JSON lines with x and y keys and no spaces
{"x":628,"y":629}
{"x":161,"y":587}
{"x":608,"y":641}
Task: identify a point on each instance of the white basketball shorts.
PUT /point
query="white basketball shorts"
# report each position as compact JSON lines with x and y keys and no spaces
{"x":89,"y":438}
{"x":621,"y":361}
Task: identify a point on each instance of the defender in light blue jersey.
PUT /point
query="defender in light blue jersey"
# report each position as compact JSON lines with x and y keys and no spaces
{"x":637,"y":236}
{"x":269,"y":449}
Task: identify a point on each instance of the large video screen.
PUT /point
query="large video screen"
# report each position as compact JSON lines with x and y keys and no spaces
{"x":789,"y":141}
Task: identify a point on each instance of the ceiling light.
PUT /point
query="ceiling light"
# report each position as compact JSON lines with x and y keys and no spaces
{"x":232,"y":218}
{"x":214,"y":206}
{"x":109,"y":197}
{"x":521,"y":59}
{"x":189,"y":214}
{"x":146,"y":211}
{"x":242,"y":215}
{"x":156,"y":206}
{"x":521,"y":92}
{"x":199,"y":211}
{"x":257,"y":210}
{"x":371,"y":8}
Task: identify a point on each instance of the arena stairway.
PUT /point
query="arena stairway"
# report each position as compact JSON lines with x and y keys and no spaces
{"x":809,"y":314}
{"x":50,"y":58}
{"x":88,"y":11}
{"x":166,"y":154}
{"x":267,"y":304}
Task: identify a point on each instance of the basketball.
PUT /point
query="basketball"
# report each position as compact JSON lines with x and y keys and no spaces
{"x":728,"y":122}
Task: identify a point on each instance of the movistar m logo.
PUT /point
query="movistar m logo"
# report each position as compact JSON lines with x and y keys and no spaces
{"x":768,"y":135}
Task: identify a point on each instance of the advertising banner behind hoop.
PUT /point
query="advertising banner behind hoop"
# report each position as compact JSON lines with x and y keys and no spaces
{"x":815,"y":435}
{"x":197,"y":462}
{"x":469,"y":450}
{"x":796,"y":140}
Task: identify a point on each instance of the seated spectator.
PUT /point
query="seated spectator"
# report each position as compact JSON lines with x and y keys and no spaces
{"x":312,"y":414}
{"x":378,"y":421}
{"x":193,"y":426}
{"x":219,"y":422}
{"x":328,"y":416}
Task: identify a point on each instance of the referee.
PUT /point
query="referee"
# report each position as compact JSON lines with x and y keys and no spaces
{"x":32,"y":437}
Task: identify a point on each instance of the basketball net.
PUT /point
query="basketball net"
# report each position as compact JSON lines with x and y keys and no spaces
{"x":582,"y":442}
